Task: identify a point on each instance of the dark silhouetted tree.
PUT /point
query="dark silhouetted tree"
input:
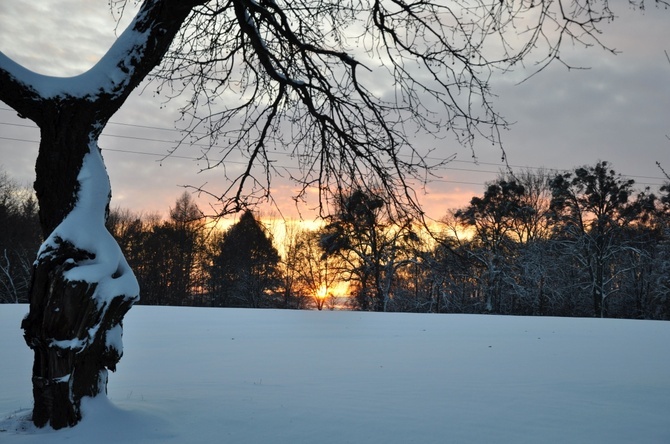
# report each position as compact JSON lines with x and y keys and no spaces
{"x":19,"y":237}
{"x":494,"y":218}
{"x":316,"y":273}
{"x":245,"y":271}
{"x":170,"y":257}
{"x":185,"y":233}
{"x":370,"y":246}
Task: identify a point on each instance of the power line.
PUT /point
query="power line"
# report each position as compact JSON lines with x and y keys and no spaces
{"x":134,"y":125}
{"x":208,"y":146}
{"x":236,"y":162}
{"x":144,"y":153}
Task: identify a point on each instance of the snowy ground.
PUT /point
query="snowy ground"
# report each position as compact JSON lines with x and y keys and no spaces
{"x":285,"y":377}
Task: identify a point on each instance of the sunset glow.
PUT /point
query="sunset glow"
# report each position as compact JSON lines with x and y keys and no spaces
{"x":322,"y":292}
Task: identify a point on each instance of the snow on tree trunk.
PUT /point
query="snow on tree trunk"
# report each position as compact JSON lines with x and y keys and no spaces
{"x":82,"y":288}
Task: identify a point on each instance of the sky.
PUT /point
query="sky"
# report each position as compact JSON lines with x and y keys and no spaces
{"x":616,"y":111}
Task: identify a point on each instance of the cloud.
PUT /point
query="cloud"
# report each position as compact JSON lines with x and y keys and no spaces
{"x":616,"y":110}
{"x":51,"y":37}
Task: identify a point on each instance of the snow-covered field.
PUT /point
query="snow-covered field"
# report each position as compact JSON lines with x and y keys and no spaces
{"x":194,"y":375}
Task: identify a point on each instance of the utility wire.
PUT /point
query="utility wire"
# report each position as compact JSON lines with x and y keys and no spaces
{"x":201,"y":145}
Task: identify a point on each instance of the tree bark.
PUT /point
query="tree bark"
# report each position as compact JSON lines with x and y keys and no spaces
{"x":70,"y":336}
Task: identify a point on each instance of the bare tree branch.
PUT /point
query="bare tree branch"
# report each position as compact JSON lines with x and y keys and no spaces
{"x":341,"y":87}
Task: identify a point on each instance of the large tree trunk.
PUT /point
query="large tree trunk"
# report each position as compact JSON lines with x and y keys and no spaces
{"x":75,"y":337}
{"x":81,"y":286}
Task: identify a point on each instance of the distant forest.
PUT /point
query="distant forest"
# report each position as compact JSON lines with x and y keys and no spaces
{"x":583,"y":243}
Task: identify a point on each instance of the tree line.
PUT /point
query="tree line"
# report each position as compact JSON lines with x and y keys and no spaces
{"x":581,"y":243}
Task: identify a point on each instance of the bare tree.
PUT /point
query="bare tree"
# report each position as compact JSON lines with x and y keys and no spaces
{"x":307,"y":75}
{"x":316,"y":273}
{"x":351,"y":79}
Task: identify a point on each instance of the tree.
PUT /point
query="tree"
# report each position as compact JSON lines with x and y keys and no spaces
{"x":305,"y":274}
{"x":530,"y":231}
{"x":169,"y":257}
{"x":187,"y":244}
{"x":19,"y":238}
{"x":532,"y":222}
{"x":82,"y":286}
{"x":494,"y":218}
{"x":594,"y":209}
{"x":245,"y":271}
{"x":353,"y":236}
{"x":660,"y":278}
{"x":147,"y":243}
{"x":317,"y":273}
{"x":291,"y":63}
{"x":371,"y":247}
{"x":405,"y":271}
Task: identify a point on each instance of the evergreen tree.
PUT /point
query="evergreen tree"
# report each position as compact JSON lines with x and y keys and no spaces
{"x":245,"y":270}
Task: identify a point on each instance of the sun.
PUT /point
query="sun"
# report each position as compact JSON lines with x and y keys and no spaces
{"x":322,"y":292}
